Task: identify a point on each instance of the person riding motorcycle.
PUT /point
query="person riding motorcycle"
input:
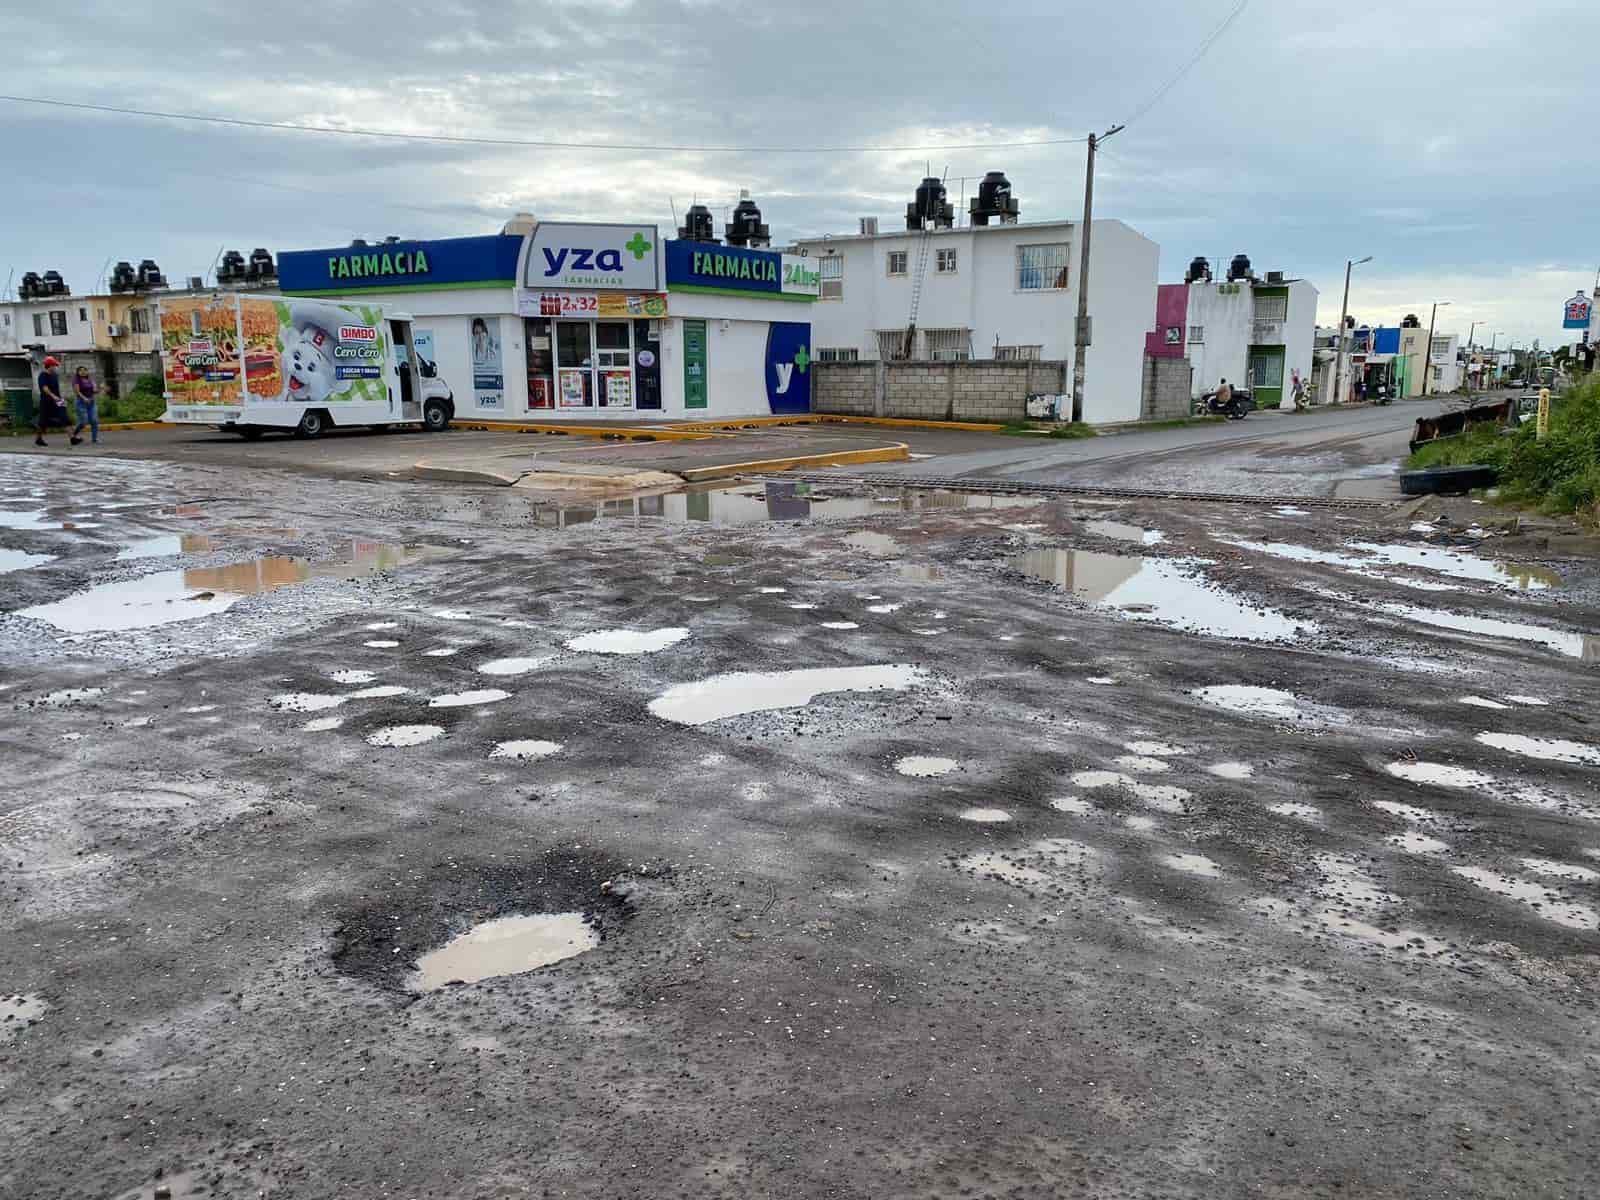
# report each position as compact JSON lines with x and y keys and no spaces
{"x":1224,"y":394}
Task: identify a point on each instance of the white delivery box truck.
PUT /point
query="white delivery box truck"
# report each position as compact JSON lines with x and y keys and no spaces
{"x":247,"y":363}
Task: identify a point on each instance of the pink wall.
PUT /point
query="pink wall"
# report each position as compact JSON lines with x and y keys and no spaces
{"x":1172,"y":310}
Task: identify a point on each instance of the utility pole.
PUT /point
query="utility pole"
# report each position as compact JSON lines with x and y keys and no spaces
{"x":1427,"y":351}
{"x":1080,"y":338}
{"x":1470,"y":332}
{"x":1344,"y":340}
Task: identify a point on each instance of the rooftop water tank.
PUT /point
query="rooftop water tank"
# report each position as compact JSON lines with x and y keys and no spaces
{"x":698,"y":225}
{"x":930,"y":209}
{"x":150,"y":275}
{"x":261,"y":265}
{"x":994,"y":200}
{"x":231,"y":269}
{"x":1239,"y":268}
{"x":54,"y":285}
{"x":31,"y":286}
{"x":123,"y":278}
{"x":1199,"y":269}
{"x":746,"y":228}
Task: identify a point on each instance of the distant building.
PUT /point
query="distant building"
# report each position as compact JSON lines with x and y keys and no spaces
{"x":1252,"y":332}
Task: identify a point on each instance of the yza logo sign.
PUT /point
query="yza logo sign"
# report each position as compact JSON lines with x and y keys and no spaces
{"x":591,"y":257}
{"x":789,"y":367}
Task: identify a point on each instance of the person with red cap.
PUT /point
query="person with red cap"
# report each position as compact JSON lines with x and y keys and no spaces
{"x":52,"y":410}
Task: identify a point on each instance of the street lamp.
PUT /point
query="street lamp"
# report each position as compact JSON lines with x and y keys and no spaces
{"x":1427,"y":354}
{"x":1344,"y":313}
{"x":1473,"y":330}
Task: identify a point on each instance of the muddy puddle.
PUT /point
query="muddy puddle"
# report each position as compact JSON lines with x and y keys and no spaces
{"x":1170,"y":592}
{"x":167,"y":546}
{"x":167,"y":596}
{"x":743,"y":692}
{"x":1121,"y":531}
{"x":1573,"y":645}
{"x":628,"y":641}
{"x":919,"y":766}
{"x":507,"y":946}
{"x":1369,"y":557}
{"x":21,"y":560}
{"x":743,"y":504}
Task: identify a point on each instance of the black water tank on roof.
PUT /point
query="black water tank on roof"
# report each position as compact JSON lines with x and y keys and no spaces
{"x":746,"y":229}
{"x":54,"y":285}
{"x":698,"y":225}
{"x":231,"y":269}
{"x":123,"y":278}
{"x":1239,"y":268}
{"x":930,"y":207}
{"x":150,"y":275}
{"x":261,"y":264}
{"x":1199,"y":268}
{"x":994,"y":199}
{"x":31,"y":286}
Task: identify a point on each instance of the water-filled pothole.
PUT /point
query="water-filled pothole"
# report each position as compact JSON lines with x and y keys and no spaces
{"x":743,"y":692}
{"x":628,"y":641}
{"x":1169,"y":592}
{"x":21,"y":560}
{"x":505,"y":946}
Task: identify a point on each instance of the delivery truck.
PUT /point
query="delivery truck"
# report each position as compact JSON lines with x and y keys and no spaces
{"x":248,"y":363}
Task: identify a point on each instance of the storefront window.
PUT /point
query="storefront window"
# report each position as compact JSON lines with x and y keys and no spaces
{"x":574,"y":364}
{"x":541,"y":363}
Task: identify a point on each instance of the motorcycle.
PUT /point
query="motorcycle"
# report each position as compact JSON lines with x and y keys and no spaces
{"x":1243,"y":402}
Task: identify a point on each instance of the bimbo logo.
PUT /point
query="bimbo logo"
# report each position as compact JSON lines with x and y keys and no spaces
{"x":357,"y":333}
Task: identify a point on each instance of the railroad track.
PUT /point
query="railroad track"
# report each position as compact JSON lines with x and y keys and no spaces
{"x":992,"y":487}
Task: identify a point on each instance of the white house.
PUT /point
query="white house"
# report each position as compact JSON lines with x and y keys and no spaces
{"x":1258,"y":333}
{"x":1004,"y":291}
{"x":1444,"y":365}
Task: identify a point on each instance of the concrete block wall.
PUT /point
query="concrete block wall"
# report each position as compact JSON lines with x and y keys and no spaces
{"x":980,"y":390}
{"x":114,"y":371}
{"x":1165,"y":390}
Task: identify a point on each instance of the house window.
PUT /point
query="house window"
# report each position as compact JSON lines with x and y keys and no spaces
{"x":58,"y":322}
{"x":892,"y":345}
{"x":948,"y":345}
{"x":1174,"y":335}
{"x":1042,"y":268}
{"x":944,"y":262}
{"x":141,"y":320}
{"x":1272,"y":308}
{"x":83,"y":313}
{"x":1197,"y":335}
{"x":38,"y":324}
{"x":1018,"y":353}
{"x":897,"y":262}
{"x":831,"y":269}
{"x":99,"y":314}
{"x":838,"y":354}
{"x":1441,"y":347}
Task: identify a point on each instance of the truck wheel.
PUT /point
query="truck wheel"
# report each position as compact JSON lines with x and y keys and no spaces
{"x":435,"y":416}
{"x":312,"y":423}
{"x":250,"y":433}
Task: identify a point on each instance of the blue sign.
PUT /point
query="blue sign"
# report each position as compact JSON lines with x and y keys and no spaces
{"x":401,"y":266}
{"x":1575,"y":313}
{"x":789,"y":366}
{"x":1386,"y":340}
{"x":694,"y":266}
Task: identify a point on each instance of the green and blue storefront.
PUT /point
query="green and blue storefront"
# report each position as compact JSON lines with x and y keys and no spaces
{"x":589,"y":321}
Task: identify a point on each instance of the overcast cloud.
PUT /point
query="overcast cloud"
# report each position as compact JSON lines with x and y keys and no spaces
{"x":1449,"y":140}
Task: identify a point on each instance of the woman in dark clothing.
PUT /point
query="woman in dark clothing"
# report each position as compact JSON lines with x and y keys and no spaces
{"x":88,"y":414}
{"x":52,"y":409}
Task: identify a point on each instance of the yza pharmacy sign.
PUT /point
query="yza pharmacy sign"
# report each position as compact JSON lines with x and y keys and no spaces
{"x":591,"y":258}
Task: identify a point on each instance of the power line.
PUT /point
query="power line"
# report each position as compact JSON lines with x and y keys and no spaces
{"x":535,"y":144}
{"x":1205,"y":47}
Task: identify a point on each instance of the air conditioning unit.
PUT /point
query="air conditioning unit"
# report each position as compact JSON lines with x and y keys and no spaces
{"x":116,"y":331}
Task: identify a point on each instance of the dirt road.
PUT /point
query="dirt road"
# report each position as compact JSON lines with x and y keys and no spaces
{"x":1121,"y":850}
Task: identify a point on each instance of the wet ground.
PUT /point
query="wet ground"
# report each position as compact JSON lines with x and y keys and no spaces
{"x":901,"y":845}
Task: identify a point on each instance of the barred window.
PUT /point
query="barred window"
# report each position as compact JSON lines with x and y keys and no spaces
{"x":948,"y":345}
{"x":831,"y":269}
{"x":141,"y":320}
{"x":1018,"y":353}
{"x":1272,"y":308}
{"x":891,"y":344}
{"x":1043,"y":267}
{"x":838,"y":354}
{"x":1197,"y":334}
{"x":897,"y":262}
{"x":944,"y":262}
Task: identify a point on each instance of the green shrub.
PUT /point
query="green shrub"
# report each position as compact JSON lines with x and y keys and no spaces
{"x":143,"y":402}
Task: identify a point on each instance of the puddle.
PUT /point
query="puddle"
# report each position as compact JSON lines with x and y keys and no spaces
{"x":1289,"y":510}
{"x":304,"y":702}
{"x":1140,"y":824}
{"x":1406,"y":812}
{"x":167,"y":546}
{"x":1123,"y":532}
{"x":920,"y":572}
{"x":527,"y":749}
{"x":1574,"y":645}
{"x":921,"y":767}
{"x":1417,"y":843}
{"x":322,"y":724}
{"x":381,"y":644}
{"x":1453,"y":564}
{"x":1168,"y":592}
{"x":353,"y":676}
{"x":1257,"y":701}
{"x":986,"y":816}
{"x":740,"y":504}
{"x":21,"y":560}
{"x":168,"y":596}
{"x":1300,"y":812}
{"x":884,"y":609}
{"x":33,"y":522}
{"x":802,"y":605}
{"x":18,"y":1012}
{"x":1072,"y":804}
{"x":1482,"y":702}
{"x":510,"y":666}
{"x":629,"y":641}
{"x":464,"y":699}
{"x":1534,"y":700}
{"x":1546,"y":903}
{"x":376,"y":625}
{"x":1231,"y":770}
{"x":875,"y":545}
{"x":1194,"y":864}
{"x":73,"y":695}
{"x":404,"y":735}
{"x":1156,"y":748}
{"x":1550,"y":749}
{"x":507,"y":946}
{"x":1561,"y":870}
{"x":1159,"y":796}
{"x":198,"y":708}
{"x":742,"y":692}
{"x":443,"y":651}
{"x":1438,"y":774}
{"x":379,"y":692}
{"x":840,"y":625}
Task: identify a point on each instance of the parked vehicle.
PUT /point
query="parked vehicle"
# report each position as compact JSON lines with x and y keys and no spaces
{"x":1242,"y":403}
{"x":250,"y":363}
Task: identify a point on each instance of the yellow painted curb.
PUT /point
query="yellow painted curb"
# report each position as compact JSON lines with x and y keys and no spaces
{"x":897,"y":452}
{"x":733,"y":423}
{"x":660,"y":433}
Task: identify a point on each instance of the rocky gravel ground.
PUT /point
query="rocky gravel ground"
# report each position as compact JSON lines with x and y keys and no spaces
{"x":922,"y":846}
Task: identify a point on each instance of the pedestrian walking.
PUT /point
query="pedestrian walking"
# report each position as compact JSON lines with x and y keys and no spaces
{"x":1299,"y":386}
{"x":88,"y":413}
{"x":52,"y":409}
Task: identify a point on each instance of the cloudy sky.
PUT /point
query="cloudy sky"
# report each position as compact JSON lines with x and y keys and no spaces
{"x":1450,"y":142}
